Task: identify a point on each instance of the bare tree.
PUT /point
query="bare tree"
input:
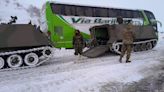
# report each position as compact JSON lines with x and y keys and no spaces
{"x":33,"y":11}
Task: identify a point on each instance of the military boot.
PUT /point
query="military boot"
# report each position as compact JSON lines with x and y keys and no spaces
{"x":120,"y":60}
{"x":127,"y":61}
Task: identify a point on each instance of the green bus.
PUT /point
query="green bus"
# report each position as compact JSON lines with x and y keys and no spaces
{"x":60,"y":20}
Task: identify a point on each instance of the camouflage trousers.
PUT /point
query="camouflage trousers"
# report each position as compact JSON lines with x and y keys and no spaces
{"x":126,"y":48}
{"x":78,"y":49}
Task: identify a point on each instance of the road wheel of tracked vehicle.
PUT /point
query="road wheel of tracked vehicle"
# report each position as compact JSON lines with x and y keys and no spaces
{"x":111,"y":49}
{"x":31,"y":59}
{"x":136,"y":48}
{"x":116,"y":47}
{"x":143,"y":47}
{"x":149,"y":46}
{"x":47,"y":52}
{"x":154,"y":43}
{"x":14,"y":61}
{"x":2,"y":63}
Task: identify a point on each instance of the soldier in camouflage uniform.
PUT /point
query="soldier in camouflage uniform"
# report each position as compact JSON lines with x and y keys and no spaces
{"x":116,"y":27}
{"x":78,"y":42}
{"x":128,"y":37}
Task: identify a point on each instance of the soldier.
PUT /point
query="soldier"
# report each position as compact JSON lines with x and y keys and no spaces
{"x":13,"y":20}
{"x":119,"y":27}
{"x":120,"y":20}
{"x":128,"y":37}
{"x":78,"y":43}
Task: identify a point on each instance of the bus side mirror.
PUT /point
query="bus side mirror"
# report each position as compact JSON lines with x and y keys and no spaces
{"x":153,"y":21}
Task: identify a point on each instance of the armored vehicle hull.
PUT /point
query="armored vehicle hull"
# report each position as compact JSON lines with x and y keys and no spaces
{"x":146,"y":37}
{"x":22,"y":46}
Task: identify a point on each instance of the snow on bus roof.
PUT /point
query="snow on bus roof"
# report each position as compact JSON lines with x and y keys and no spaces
{"x":89,"y":5}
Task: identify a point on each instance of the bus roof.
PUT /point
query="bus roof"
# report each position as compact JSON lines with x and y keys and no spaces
{"x":89,"y":5}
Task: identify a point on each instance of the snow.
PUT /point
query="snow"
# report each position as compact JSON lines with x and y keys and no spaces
{"x":61,"y":74}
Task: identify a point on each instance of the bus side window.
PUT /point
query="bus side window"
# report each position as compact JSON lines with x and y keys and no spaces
{"x":129,"y":13}
{"x":88,"y":11}
{"x":137,"y":14}
{"x":118,"y":12}
{"x":70,"y":10}
{"x":58,"y":30}
{"x":58,"y":9}
{"x":101,"y":12}
{"x":104,"y":12}
{"x":95,"y":12}
{"x":123,"y":13}
{"x":112,"y":12}
{"x":80,"y":11}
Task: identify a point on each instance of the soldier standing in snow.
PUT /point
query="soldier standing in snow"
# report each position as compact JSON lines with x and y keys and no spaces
{"x":116,"y":28}
{"x":128,"y":37}
{"x":78,"y":43}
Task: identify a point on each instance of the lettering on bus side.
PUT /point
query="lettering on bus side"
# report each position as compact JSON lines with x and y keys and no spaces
{"x":95,"y":21}
{"x":99,"y":20}
{"x":81,"y":20}
{"x":104,"y":21}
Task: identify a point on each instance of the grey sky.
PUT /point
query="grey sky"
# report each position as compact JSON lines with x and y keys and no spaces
{"x":156,"y":6}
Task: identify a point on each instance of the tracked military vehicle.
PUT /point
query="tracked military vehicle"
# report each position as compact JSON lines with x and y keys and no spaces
{"x":146,"y":38}
{"x":22,"y":46}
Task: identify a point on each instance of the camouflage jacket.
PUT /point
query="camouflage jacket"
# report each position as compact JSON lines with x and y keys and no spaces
{"x":78,"y":40}
{"x":128,"y":36}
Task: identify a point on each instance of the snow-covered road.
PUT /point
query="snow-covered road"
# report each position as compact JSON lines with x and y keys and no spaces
{"x":61,"y":74}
